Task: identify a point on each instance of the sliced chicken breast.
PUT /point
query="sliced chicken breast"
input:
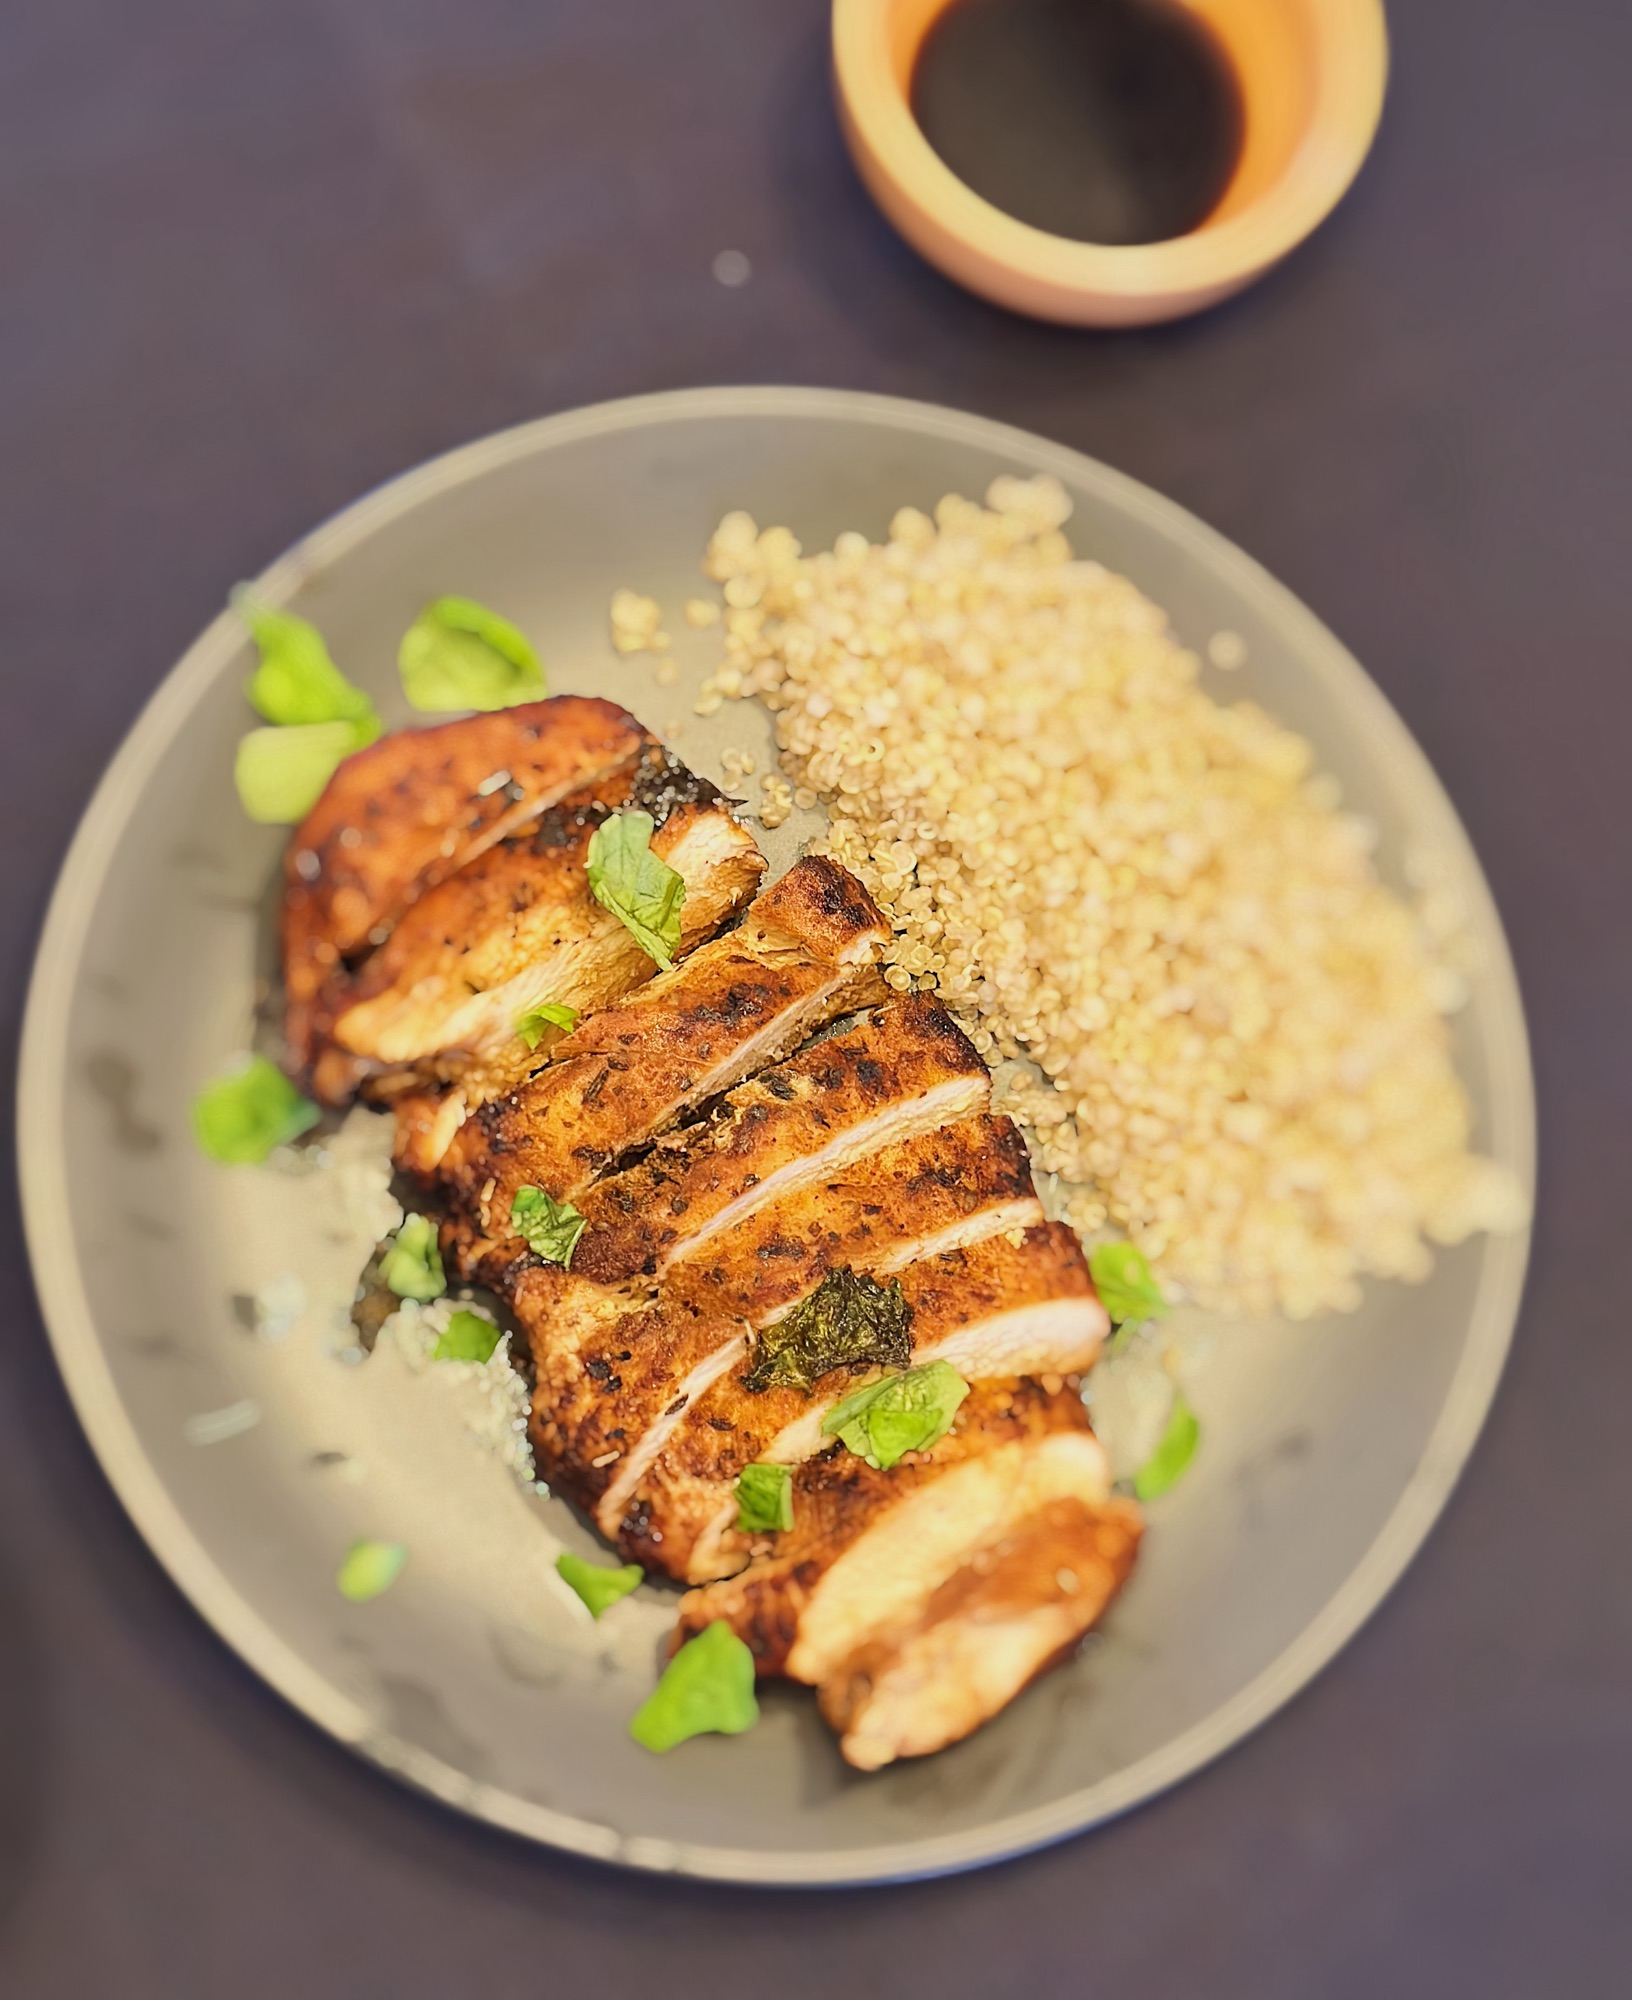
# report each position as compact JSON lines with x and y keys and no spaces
{"x":883,"y":1592}
{"x":1013,"y":1609}
{"x":633,"y":1360}
{"x":461,"y":941}
{"x":629,"y":1075}
{"x":519,"y":927}
{"x":905,"y":1070}
{"x":934,"y":1192}
{"x":412,"y":809}
{"x":919,"y":1600}
{"x":992,"y":1308}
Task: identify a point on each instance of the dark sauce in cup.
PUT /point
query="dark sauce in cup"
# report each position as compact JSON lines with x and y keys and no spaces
{"x":1109,"y":121}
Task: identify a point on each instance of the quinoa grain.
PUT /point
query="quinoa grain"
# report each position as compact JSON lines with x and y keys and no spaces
{"x":1232,"y":1033}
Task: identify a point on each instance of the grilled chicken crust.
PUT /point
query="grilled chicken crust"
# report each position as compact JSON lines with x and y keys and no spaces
{"x":869,"y":1549}
{"x":394,"y":1022}
{"x":920,"y":1601}
{"x":628,"y":1074}
{"x":932,"y":1192}
{"x":993,"y":1307}
{"x":871,"y":1148}
{"x":641,"y":1412}
{"x":412,"y":809}
{"x":733,"y":1021}
{"x":906,"y":1069}
{"x":917,"y":1601}
{"x":440,"y":1000}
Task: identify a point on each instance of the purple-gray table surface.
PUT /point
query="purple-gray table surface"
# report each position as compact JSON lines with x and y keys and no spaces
{"x":255,"y":256}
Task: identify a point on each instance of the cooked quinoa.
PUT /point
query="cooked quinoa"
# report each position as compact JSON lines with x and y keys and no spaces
{"x":1230,"y":1036}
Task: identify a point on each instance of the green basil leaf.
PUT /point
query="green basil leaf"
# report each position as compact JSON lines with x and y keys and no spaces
{"x":1167,"y":1464}
{"x":547,"y":1014}
{"x":239,"y":1118}
{"x":550,"y":1228}
{"x":458,"y":654}
{"x":281,"y":773}
{"x":708,"y":1687}
{"x":369,"y":1568}
{"x":902,"y":1413}
{"x":297,"y":682}
{"x":469,"y":1337}
{"x":764,"y":1499}
{"x":412,"y":1267}
{"x":639,"y":887}
{"x":848,"y":1321}
{"x":1123,"y":1280}
{"x":599,"y":1588}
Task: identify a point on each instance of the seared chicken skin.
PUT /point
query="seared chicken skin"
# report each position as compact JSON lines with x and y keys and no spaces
{"x":413,"y":809}
{"x":920,"y":1600}
{"x":438,"y":893}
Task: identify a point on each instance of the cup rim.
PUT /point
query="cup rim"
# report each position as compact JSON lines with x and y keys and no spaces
{"x":1018,"y":264}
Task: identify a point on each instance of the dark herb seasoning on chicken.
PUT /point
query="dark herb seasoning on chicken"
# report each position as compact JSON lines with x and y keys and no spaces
{"x":849,"y":1321}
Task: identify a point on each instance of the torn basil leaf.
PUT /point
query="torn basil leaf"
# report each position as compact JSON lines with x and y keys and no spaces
{"x":281,"y":773}
{"x":707,"y":1688}
{"x":239,"y":1118}
{"x":458,"y":654}
{"x":297,"y":682}
{"x":547,"y":1014}
{"x":549,"y":1228}
{"x":369,"y":1568}
{"x":849,"y":1321}
{"x":764,"y":1499}
{"x":412,"y":1267}
{"x":639,"y":887}
{"x":599,"y":1588}
{"x":902,"y":1413}
{"x":1168,"y":1463}
{"x":469,"y":1337}
{"x":1123,"y":1280}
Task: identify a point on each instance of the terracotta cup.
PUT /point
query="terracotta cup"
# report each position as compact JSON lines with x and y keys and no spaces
{"x":1311,"y":74}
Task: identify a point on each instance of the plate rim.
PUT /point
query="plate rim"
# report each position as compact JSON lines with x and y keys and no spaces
{"x":71,"y":1327}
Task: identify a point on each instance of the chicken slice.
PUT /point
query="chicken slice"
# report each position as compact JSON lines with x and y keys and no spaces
{"x":905,"y":1070}
{"x":740,"y":1003}
{"x":641,"y":1413}
{"x":888,"y":1587}
{"x":912,"y":1525}
{"x":458,"y":942}
{"x":440,"y":1000}
{"x":618,"y":1368}
{"x":934,"y":1192}
{"x":804,"y":955}
{"x":412,"y":809}
{"x":610,"y":1365}
{"x":1015,"y":1608}
{"x":631,"y":1073}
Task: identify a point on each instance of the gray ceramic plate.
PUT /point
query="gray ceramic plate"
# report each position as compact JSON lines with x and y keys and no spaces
{"x":1329,"y":1448}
